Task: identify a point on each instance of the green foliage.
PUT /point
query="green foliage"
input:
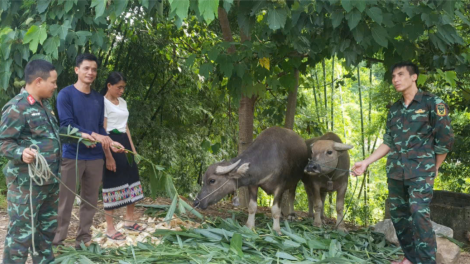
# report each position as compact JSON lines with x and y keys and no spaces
{"x":34,"y":36}
{"x":3,"y":185}
{"x":226,"y":241}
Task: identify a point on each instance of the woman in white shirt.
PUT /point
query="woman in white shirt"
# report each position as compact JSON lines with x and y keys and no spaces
{"x":121,"y":183}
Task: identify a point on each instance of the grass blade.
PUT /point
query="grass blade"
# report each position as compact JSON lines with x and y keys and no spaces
{"x":171,"y":211}
{"x":284,"y":255}
{"x":295,"y":237}
{"x":180,"y":243}
{"x":236,"y":244}
{"x":191,"y":209}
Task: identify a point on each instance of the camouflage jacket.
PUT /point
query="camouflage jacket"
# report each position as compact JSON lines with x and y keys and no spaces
{"x":24,"y":122}
{"x":415,"y":134}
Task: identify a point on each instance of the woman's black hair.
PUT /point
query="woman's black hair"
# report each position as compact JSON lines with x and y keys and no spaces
{"x":113,"y":78}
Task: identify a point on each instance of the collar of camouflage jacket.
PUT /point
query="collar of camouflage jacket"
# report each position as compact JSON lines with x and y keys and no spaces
{"x":26,"y":95}
{"x":417,"y":97}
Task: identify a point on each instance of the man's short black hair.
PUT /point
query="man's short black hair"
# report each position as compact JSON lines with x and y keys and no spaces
{"x":37,"y":68}
{"x":85,"y":56}
{"x":410,"y":67}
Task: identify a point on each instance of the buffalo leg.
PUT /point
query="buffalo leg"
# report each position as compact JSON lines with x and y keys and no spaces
{"x":318,"y":205}
{"x":291,"y":215}
{"x":309,"y":191}
{"x":276,"y":212}
{"x":252,"y":206}
{"x":340,"y":207}
{"x":323,"y":199}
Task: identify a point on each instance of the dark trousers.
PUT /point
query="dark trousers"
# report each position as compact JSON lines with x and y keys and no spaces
{"x":90,"y":173}
{"x":410,"y":214}
{"x":18,"y":240}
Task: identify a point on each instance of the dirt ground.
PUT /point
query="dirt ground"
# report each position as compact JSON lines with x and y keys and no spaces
{"x":222,"y":209}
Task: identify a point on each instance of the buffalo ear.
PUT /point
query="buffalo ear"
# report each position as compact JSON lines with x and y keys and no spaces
{"x":241,"y":171}
{"x":340,"y":146}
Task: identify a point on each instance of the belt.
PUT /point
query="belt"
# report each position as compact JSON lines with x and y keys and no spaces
{"x":116,"y":132}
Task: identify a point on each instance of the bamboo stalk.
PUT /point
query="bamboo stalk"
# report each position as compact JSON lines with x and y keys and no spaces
{"x":324,"y":88}
{"x":362,"y":133}
{"x":332,"y":93}
{"x":316,"y":101}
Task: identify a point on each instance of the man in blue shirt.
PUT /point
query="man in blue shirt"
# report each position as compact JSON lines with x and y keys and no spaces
{"x":81,"y":107}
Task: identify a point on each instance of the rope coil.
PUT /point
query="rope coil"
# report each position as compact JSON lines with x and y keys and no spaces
{"x":39,"y":172}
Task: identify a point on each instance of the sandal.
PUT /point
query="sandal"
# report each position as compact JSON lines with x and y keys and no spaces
{"x":117,"y":236}
{"x":135,"y":227}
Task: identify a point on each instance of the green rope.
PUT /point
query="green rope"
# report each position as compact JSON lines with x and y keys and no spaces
{"x":349,"y":205}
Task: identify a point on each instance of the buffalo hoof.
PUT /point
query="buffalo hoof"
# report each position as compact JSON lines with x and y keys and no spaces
{"x":342,"y":228}
{"x":317,"y":223}
{"x":291,"y":217}
{"x":250,"y":225}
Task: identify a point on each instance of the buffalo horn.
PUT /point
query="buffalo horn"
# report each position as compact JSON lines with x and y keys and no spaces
{"x":226,"y":169}
{"x":340,"y":146}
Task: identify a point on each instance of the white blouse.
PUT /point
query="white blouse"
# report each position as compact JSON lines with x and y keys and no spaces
{"x":116,"y":115}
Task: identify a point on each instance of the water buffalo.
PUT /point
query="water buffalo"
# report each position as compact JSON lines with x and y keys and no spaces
{"x":275,"y":161}
{"x":327,"y":172}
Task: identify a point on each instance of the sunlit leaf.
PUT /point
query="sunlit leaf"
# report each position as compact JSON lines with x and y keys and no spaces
{"x":236,"y":244}
{"x":180,"y":7}
{"x":208,"y":9}
{"x":34,"y":36}
{"x":277,"y":18}
{"x":100,"y":7}
{"x":171,"y":210}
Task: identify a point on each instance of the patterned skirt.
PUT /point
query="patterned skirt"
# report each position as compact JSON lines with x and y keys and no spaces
{"x":122,"y":187}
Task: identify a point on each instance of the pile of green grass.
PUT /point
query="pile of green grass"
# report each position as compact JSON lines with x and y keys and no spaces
{"x":226,"y":241}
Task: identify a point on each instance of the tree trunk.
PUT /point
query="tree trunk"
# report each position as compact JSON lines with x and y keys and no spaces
{"x":289,"y":123}
{"x":366,"y":192}
{"x":320,"y":109}
{"x":332,"y":92}
{"x":291,"y":103}
{"x":247,"y":105}
{"x":324,"y":88}
{"x":245,"y":121}
{"x":245,"y":136}
{"x":316,"y":101}
{"x":370,"y":109}
{"x":342,"y":109}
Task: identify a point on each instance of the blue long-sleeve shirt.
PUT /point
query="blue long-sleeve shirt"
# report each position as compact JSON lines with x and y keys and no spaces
{"x":85,"y":112}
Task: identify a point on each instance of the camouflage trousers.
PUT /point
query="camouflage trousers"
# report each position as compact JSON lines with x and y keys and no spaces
{"x":18,"y":241}
{"x":410,"y":214}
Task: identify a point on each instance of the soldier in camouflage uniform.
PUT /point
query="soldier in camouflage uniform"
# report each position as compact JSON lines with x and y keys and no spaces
{"x":28,"y":119}
{"x":417,"y":139}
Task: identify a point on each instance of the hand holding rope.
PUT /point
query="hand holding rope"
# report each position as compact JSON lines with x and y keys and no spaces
{"x":39,"y":172}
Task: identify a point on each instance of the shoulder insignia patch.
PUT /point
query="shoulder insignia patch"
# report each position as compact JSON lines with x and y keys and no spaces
{"x":441,"y":109}
{"x":420,"y":111}
{"x":31,"y":100}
